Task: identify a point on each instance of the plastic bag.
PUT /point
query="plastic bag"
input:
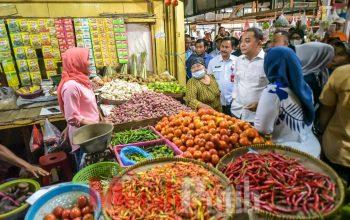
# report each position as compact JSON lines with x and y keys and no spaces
{"x":132,"y":150}
{"x":7,"y":98}
{"x":36,"y":139}
{"x":52,"y":136}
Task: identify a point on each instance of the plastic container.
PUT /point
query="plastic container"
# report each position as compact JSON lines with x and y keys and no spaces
{"x":146,"y":145}
{"x":19,"y":212}
{"x":64,"y":195}
{"x":160,"y":137}
{"x":105,"y":169}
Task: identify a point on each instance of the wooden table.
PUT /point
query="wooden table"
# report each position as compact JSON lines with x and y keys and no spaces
{"x":21,"y":119}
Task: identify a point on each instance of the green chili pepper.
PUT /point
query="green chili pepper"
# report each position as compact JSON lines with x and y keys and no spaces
{"x":133,"y":136}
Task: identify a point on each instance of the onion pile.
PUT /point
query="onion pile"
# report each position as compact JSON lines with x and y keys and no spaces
{"x":146,"y":105}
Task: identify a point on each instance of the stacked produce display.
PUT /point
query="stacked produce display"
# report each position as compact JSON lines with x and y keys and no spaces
{"x":207,"y":135}
{"x":146,"y":105}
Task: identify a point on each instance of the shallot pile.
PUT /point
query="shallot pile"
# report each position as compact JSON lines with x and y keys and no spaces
{"x":146,"y":105}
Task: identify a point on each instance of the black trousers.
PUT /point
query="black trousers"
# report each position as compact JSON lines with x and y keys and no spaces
{"x":226,"y":109}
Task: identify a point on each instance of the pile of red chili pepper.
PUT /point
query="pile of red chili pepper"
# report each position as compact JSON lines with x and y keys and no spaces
{"x":281,"y":185}
{"x":96,"y":184}
{"x":171,"y":191}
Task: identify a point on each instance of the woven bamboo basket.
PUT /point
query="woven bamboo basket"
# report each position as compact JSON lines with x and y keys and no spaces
{"x":307,"y":160}
{"x":145,"y":165}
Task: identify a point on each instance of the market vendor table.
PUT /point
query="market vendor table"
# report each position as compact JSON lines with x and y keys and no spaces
{"x":21,"y":118}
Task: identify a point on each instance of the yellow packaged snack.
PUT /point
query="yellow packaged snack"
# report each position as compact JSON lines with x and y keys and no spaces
{"x":33,"y":26}
{"x":8,"y":66}
{"x":99,"y":63}
{"x":56,"y":54}
{"x":25,"y":38}
{"x":25,"y":78}
{"x":22,"y":65}
{"x":12,"y":79}
{"x":33,"y":65}
{"x":42,"y":25}
{"x":20,"y":52}
{"x":50,"y":64}
{"x":4,"y":45}
{"x":36,"y":78}
{"x":23,"y":25}
{"x":30,"y":53}
{"x":47,"y":52}
{"x":35,"y":40}
{"x":17,"y":40}
{"x":50,"y":73}
{"x":45,"y":39}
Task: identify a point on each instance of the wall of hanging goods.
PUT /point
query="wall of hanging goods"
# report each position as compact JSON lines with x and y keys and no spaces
{"x":27,"y":43}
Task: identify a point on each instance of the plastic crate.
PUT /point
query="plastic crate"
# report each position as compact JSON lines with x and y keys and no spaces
{"x":160,"y":137}
{"x":147,"y":144}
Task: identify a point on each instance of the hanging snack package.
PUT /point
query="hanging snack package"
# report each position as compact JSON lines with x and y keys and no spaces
{"x":5,"y":55}
{"x":36,"y":78}
{"x":47,"y":52}
{"x":33,"y":26}
{"x":25,"y":38}
{"x":54,"y":42}
{"x":23,"y":25}
{"x":20,"y":53}
{"x":25,"y":78}
{"x":42,"y":25}
{"x":50,"y":73}
{"x":3,"y":32}
{"x":56,"y":53}
{"x":17,"y":40}
{"x":12,"y":79}
{"x":45,"y":39}
{"x":13,"y":26}
{"x":36,"y":139}
{"x":22,"y":65}
{"x":4,"y":45}
{"x":33,"y":65}
{"x":30,"y":53}
{"x":50,"y":64}
{"x":35,"y":40}
{"x":8,"y":66}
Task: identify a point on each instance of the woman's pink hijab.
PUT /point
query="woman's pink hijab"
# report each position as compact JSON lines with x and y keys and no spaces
{"x":75,"y":65}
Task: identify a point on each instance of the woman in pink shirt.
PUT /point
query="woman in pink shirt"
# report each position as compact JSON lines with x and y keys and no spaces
{"x":75,"y":95}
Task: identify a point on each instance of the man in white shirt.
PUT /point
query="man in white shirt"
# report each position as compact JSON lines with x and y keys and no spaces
{"x":216,"y":52}
{"x":222,"y":68}
{"x":249,"y":76}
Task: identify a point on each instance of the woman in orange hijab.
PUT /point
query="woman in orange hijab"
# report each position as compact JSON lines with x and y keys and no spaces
{"x":75,"y":95}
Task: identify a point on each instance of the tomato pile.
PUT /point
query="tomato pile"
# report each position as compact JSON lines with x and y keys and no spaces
{"x":207,"y":135}
{"x":83,"y":209}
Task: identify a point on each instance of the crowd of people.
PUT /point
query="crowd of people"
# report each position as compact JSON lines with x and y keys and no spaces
{"x":298,"y":93}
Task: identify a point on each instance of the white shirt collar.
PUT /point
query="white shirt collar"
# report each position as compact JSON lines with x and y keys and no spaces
{"x":232,"y":57}
{"x":260,"y":55}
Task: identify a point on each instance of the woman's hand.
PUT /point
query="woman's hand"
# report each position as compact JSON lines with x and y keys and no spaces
{"x":36,"y":171}
{"x":252,"y":107}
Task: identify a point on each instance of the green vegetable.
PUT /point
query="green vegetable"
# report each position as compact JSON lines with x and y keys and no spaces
{"x":161,"y":151}
{"x":156,"y":152}
{"x":166,"y":87}
{"x":133,"y":136}
{"x":136,"y":157}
